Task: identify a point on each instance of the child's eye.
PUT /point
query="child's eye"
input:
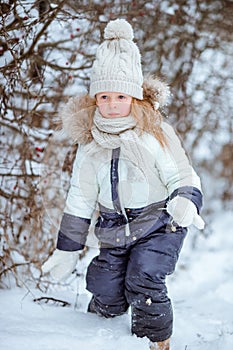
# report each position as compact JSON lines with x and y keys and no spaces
{"x":121,"y":97}
{"x":104,"y":97}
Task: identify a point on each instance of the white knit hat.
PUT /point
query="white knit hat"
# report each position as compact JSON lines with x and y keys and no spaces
{"x":117,"y":67}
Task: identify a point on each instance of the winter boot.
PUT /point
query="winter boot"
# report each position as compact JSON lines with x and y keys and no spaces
{"x":161,"y":345}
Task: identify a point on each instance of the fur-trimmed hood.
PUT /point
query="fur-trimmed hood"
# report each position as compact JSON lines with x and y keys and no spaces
{"x":77,"y":115}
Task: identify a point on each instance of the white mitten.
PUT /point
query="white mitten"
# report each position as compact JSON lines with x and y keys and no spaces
{"x":61,"y":264}
{"x":184,"y":212}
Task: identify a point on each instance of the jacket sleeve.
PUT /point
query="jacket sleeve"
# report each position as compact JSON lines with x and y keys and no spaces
{"x":80,"y":204}
{"x":176,"y":171}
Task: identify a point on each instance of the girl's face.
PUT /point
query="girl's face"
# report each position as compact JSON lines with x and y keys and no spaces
{"x":113,"y":104}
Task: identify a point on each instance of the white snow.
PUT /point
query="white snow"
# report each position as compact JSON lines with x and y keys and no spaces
{"x":201,"y":290}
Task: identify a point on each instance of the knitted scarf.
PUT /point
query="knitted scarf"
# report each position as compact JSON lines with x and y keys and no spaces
{"x":123,"y":132}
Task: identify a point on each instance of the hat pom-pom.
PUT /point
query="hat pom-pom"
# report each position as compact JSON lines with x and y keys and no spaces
{"x":118,"y":29}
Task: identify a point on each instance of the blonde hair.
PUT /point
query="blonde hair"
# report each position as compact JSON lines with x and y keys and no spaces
{"x":148,"y":119}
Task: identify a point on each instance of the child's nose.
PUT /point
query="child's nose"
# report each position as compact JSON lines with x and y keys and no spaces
{"x":113,"y":103}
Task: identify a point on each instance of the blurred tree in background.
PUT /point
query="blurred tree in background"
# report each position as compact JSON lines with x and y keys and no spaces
{"x":46,"y":53}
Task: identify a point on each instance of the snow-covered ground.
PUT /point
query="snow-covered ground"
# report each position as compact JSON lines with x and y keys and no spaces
{"x":201,"y":290}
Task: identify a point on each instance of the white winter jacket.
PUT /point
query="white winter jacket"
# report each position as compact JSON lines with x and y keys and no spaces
{"x":91,"y":185}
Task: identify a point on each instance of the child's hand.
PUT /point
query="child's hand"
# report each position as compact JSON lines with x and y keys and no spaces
{"x":184,"y":212}
{"x":61,"y":264}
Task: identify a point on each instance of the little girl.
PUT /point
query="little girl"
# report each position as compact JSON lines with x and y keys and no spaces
{"x":131,"y":167}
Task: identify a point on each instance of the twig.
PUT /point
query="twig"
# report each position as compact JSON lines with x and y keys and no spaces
{"x":47,"y":300}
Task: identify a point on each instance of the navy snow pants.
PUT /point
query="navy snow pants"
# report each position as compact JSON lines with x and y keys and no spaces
{"x":135,"y":276}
